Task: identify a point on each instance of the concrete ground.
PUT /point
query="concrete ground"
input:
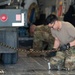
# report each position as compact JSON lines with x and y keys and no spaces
{"x":30,"y":66}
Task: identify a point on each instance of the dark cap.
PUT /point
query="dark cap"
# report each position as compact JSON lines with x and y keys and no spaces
{"x":51,"y":18}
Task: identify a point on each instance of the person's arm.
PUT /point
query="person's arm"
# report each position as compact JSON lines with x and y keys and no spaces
{"x":72,"y":43}
{"x":71,"y":32}
{"x":32,"y":29}
{"x":56,"y":43}
{"x":68,"y":45}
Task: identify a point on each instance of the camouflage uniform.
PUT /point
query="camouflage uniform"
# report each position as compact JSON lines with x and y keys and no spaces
{"x":57,"y":62}
{"x":42,"y":38}
{"x":64,"y":59}
{"x":70,"y":59}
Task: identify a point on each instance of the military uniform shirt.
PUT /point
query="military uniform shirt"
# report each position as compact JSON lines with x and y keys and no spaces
{"x":66,"y":34}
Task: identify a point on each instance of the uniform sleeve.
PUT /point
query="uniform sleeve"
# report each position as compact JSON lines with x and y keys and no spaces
{"x":39,"y":28}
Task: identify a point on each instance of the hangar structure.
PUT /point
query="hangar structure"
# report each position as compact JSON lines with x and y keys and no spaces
{"x":16,"y":42}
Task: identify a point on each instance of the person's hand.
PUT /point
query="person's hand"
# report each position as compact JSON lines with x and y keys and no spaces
{"x":53,"y":53}
{"x":65,"y":47}
{"x":53,"y":49}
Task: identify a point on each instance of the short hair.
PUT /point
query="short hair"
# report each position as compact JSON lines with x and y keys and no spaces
{"x":51,"y":18}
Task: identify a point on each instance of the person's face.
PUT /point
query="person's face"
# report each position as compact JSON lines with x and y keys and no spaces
{"x":53,"y":25}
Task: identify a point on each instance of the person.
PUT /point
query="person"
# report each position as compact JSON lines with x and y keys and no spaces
{"x":64,"y":34}
{"x":42,"y":38}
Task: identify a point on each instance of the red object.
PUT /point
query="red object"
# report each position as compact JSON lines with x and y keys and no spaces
{"x":3,"y":17}
{"x":60,"y":10}
{"x":18,"y":17}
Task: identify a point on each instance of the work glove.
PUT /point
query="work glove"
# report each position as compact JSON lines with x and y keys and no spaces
{"x":65,"y":47}
{"x":52,"y":54}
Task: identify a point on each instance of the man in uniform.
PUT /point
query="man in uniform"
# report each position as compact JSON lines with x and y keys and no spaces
{"x":42,"y":38}
{"x":64,"y":34}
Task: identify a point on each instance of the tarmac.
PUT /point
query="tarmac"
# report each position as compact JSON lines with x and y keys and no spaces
{"x":31,"y":66}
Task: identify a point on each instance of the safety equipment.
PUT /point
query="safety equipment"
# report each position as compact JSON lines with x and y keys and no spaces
{"x":51,"y":54}
{"x":65,"y":47}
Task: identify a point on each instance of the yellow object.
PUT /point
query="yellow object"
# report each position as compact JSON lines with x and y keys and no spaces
{"x":60,"y":3}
